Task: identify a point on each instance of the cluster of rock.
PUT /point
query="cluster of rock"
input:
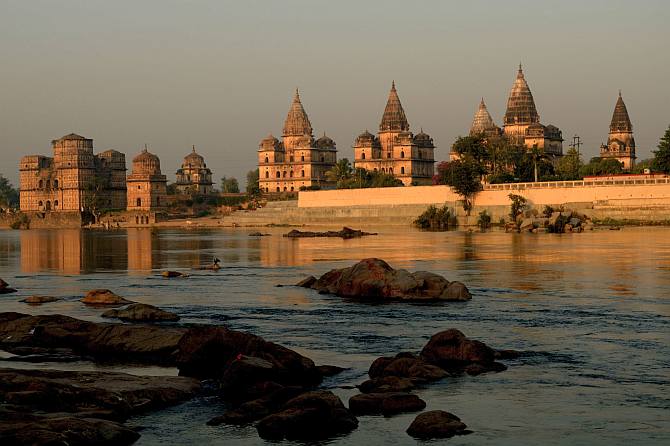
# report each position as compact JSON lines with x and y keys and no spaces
{"x":249,"y":372}
{"x":556,"y":222}
{"x":375,"y":279}
{"x":392,"y":379}
{"x":5,"y":288}
{"x":345,"y":233}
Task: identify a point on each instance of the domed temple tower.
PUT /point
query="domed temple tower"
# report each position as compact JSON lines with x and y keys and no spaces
{"x":482,"y":123}
{"x":74,"y":180}
{"x":194,"y":177}
{"x":620,"y":143}
{"x":522,"y":122}
{"x":396,"y":150}
{"x":147,"y":186}
{"x":298,"y":161}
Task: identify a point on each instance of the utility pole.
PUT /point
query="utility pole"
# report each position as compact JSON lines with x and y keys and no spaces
{"x":576,"y":143}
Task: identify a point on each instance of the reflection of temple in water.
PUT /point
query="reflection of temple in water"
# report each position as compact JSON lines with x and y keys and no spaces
{"x":71,"y":251}
{"x":142,"y":250}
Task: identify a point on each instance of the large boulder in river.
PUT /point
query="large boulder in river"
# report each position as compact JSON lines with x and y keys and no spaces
{"x":386,"y":404}
{"x":104,"y":297}
{"x":374,"y":278}
{"x":311,"y":416}
{"x":5,"y":288}
{"x":141,"y":313}
{"x":238,"y":357}
{"x":436,"y":424}
{"x":451,"y":349}
{"x":38,"y":300}
{"x":406,"y":365}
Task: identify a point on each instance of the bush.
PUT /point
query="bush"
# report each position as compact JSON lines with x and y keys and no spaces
{"x":548,"y":210}
{"x":519,"y":204}
{"x":484,"y":220}
{"x":203,"y":213}
{"x":436,"y":218}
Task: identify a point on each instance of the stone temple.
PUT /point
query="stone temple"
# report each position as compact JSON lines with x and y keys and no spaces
{"x":620,"y":143}
{"x":395,"y":150}
{"x":194,"y":177}
{"x":147,"y":186}
{"x":521,"y":124}
{"x":74,"y":179}
{"x":297,"y":161}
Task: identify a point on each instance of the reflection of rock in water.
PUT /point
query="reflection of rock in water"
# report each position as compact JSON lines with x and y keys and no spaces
{"x":71,"y":251}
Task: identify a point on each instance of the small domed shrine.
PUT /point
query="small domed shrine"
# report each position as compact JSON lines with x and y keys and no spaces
{"x":194,"y":177}
{"x":396,"y":151}
{"x":620,"y":143}
{"x":147,"y":186}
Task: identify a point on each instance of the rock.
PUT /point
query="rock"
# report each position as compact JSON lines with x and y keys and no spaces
{"x":567,"y":228}
{"x":507,"y":354}
{"x":511,"y":227}
{"x":5,"y":288}
{"x":37,"y":300}
{"x":307,"y":282}
{"x":575,"y":222}
{"x":116,"y":395}
{"x":526,"y":225}
{"x":406,"y":365}
{"x":374,"y":278}
{"x":258,"y":234}
{"x":134,"y":343}
{"x":39,"y":430}
{"x":254,"y":410}
{"x":436,"y":424}
{"x":104,"y":297}
{"x":386,"y":404}
{"x":141,"y":313}
{"x":330,"y":370}
{"x":553,"y":219}
{"x":345,"y":233}
{"x":386,"y":384}
{"x":450,"y":350}
{"x":311,"y":416}
{"x":170,"y":274}
{"x":208,"y":352}
{"x":39,"y":354}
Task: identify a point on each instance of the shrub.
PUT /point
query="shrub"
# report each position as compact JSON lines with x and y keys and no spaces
{"x":484,"y":220}
{"x":548,"y":210}
{"x":436,"y":218}
{"x":519,"y":204}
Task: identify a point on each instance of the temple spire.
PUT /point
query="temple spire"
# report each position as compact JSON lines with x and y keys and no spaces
{"x":394,"y":118}
{"x":482,"y":120}
{"x":520,"y":104}
{"x":620,"y":119}
{"x":297,"y":123}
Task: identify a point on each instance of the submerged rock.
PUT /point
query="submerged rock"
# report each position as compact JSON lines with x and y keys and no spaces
{"x":374,"y":278}
{"x":171,"y":274}
{"x":256,"y":409}
{"x":104,"y":297}
{"x":258,"y":234}
{"x":386,"y":404}
{"x":345,"y":233}
{"x":141,"y":313}
{"x":386,"y":384}
{"x":37,"y":300}
{"x":5,"y":288}
{"x":436,"y":424}
{"x":311,"y":416}
{"x":451,"y":349}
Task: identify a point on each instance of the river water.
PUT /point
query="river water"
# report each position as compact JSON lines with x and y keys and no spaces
{"x":591,"y":310}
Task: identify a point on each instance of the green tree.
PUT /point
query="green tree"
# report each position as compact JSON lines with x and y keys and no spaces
{"x":252,"y":183}
{"x":463,"y":176}
{"x":340,"y":173}
{"x":568,"y":166}
{"x":473,"y":147}
{"x":172,"y":189}
{"x":230,"y":185}
{"x":9,"y":196}
{"x":601,"y":166}
{"x":96,"y":196}
{"x":662,"y":155}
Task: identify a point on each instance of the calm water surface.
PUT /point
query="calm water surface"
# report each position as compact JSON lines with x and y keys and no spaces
{"x":592,"y":310}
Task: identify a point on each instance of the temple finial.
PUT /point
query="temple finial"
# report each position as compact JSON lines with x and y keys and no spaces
{"x":193,"y":148}
{"x":619,"y":92}
{"x":393,"y":84}
{"x":145,"y":148}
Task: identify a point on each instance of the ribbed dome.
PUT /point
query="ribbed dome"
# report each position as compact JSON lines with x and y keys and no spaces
{"x":297,"y":123}
{"x":194,"y":159}
{"x":482,"y":120}
{"x":365,"y":138}
{"x":146,"y":163}
{"x":394,"y":118}
{"x":422,"y":139}
{"x":620,"y":119}
{"x":521,"y":105}
{"x":325,"y":142}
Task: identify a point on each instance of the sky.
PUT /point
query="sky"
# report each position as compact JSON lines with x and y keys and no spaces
{"x":220,"y":75}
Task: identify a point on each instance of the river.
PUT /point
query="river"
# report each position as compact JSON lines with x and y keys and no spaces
{"x":592,"y":311}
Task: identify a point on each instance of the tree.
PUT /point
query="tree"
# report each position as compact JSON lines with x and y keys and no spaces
{"x":662,"y":155}
{"x":230,"y":185}
{"x":463,"y":176}
{"x":96,"y":197}
{"x":171,"y":189}
{"x":473,"y":147}
{"x":568,"y":166}
{"x":9,"y":196}
{"x":340,"y":172}
{"x":252,"y":183}
{"x":601,"y":166}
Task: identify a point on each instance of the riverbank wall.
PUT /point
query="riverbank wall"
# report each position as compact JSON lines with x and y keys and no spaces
{"x":633,"y":200}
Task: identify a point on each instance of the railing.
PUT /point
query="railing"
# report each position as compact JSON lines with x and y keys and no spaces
{"x":580,"y":183}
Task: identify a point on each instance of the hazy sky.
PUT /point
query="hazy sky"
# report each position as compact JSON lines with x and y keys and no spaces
{"x":221,"y":74}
